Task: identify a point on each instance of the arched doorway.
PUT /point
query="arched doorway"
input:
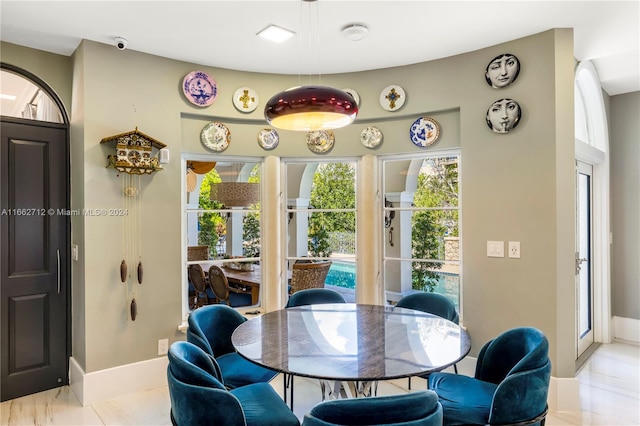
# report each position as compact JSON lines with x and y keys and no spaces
{"x":592,"y":212}
{"x":35,"y":228}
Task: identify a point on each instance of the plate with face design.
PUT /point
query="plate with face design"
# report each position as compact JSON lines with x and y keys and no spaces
{"x":424,"y":132}
{"x":320,"y":141}
{"x":392,"y":97}
{"x":268,"y":138}
{"x":215,"y":136}
{"x":371,"y":137}
{"x":199,"y":88}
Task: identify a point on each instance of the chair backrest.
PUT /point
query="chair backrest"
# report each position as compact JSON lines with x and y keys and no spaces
{"x":518,"y":361}
{"x":313,"y":296}
{"x":197,"y":278}
{"x":219,"y":284}
{"x":197,"y":253}
{"x":196,"y":391}
{"x":432,"y":303}
{"x":214,"y":325}
{"x":309,"y":275}
{"x":414,"y":409}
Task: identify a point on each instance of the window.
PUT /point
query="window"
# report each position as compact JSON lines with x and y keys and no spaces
{"x":22,"y":98}
{"x":422,"y":225}
{"x":223,"y":228}
{"x":321,"y":219}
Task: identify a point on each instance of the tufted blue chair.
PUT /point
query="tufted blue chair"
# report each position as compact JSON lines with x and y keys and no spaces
{"x":210,"y":328}
{"x":510,"y":385}
{"x":199,"y":397}
{"x":414,"y":409}
{"x":432,"y":303}
{"x":314,"y":296}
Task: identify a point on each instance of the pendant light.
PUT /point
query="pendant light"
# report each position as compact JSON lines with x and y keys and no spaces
{"x":307,"y":108}
{"x":312,"y":107}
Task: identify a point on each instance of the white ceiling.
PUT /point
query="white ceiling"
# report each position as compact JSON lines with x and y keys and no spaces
{"x":222,"y":33}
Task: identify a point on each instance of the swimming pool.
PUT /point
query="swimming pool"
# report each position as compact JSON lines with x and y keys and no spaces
{"x":343,"y":274}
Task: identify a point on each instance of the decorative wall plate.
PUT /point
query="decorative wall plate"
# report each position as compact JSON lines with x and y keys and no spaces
{"x":371,"y":137}
{"x":320,"y":141}
{"x":503,"y":115}
{"x":502,"y":70}
{"x":245,"y":99}
{"x":268,"y":138}
{"x":424,"y":131}
{"x":200,"y":88}
{"x":353,"y":94}
{"x":392,"y":97}
{"x":215,"y":136}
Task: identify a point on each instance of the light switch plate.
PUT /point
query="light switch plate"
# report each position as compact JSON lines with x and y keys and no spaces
{"x":495,"y":248}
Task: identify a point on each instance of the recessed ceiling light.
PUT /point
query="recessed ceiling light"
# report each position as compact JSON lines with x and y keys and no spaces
{"x":355,"y":32}
{"x":9,"y":97}
{"x":275,"y":34}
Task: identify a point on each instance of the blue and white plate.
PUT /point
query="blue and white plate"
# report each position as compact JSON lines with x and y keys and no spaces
{"x":424,"y":131}
{"x":199,"y":88}
{"x":268,"y":138}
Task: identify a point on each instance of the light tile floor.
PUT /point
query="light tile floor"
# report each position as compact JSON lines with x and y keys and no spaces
{"x":609,"y":395}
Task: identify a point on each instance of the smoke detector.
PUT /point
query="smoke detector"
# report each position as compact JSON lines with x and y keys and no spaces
{"x":355,"y":32}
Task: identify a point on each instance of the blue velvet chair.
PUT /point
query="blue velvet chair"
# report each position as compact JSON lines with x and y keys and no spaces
{"x":210,"y":328}
{"x":510,"y":385}
{"x":198,"y":395}
{"x":414,"y":409}
{"x":314,"y":296}
{"x":311,"y":296}
{"x":432,"y":303}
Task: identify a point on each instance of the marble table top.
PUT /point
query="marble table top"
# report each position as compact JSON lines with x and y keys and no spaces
{"x":351,"y":342}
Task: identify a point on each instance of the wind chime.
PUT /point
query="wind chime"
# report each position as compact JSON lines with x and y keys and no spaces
{"x":133,"y":158}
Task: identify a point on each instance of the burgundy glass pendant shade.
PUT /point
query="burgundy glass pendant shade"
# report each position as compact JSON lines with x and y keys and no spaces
{"x":307,"y":108}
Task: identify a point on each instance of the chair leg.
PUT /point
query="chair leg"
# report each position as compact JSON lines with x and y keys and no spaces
{"x":409,"y":387}
{"x":455,"y":368}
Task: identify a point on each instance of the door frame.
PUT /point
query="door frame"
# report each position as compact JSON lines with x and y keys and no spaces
{"x":67,"y":166}
{"x":584,"y":261}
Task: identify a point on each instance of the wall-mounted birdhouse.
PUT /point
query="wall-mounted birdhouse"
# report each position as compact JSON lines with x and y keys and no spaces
{"x":134,"y":153}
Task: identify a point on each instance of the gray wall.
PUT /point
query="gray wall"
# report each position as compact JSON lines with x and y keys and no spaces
{"x":517,"y":186}
{"x":625,"y":204}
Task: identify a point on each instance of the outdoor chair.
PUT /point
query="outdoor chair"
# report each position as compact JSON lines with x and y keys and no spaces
{"x":223,"y":292}
{"x":308,"y":275}
{"x":203,"y":294}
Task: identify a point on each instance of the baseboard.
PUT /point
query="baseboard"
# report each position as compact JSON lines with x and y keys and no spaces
{"x":564,"y":394}
{"x":626,"y":329}
{"x":118,"y":381}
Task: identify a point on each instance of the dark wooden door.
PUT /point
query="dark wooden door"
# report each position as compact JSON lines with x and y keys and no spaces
{"x":34,"y":270}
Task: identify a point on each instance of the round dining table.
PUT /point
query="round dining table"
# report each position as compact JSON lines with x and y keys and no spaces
{"x":351,"y":342}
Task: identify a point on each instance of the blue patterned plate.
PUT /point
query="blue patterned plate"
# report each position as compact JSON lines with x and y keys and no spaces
{"x":268,"y":138}
{"x":424,"y":131}
{"x":199,"y":88}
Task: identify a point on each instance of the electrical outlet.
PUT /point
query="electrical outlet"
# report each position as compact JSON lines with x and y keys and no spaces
{"x":163,"y":346}
{"x":514,"y":249}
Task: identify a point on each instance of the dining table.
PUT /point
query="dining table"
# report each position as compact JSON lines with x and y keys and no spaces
{"x":356,"y":343}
